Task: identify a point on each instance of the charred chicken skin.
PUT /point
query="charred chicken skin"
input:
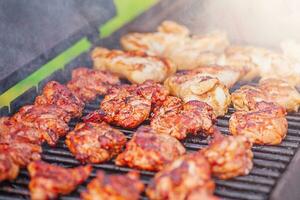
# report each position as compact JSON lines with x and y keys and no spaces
{"x":266,"y":124}
{"x":48,"y":181}
{"x":229,"y":156}
{"x":269,"y":90}
{"x":210,"y":90}
{"x":95,"y":142}
{"x":129,"y":105}
{"x":182,"y":178}
{"x":114,"y":187}
{"x":49,"y":118}
{"x":148,"y":150}
{"x":88,"y":83}
{"x":173,"y":41}
{"x":177,"y":119}
{"x":135,"y":66}
{"x":58,"y":94}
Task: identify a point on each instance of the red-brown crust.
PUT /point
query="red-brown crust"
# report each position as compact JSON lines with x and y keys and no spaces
{"x":95,"y":142}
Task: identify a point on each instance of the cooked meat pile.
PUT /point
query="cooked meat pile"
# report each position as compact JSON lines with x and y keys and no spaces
{"x":136,"y":66}
{"x":229,"y":156}
{"x":48,"y":181}
{"x":49,"y":118}
{"x":95,"y":142}
{"x":88,"y":83}
{"x":55,"y":93}
{"x":190,"y":86}
{"x":257,"y":61}
{"x":266,"y":124}
{"x":148,"y":150}
{"x":269,"y":90}
{"x":177,"y":119}
{"x":129,"y":105}
{"x":188,"y":177}
{"x":173,"y":41}
{"x":114,"y":187}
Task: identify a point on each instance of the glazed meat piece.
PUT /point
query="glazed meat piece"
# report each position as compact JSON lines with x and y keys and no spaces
{"x":173,"y":41}
{"x":114,"y":187}
{"x":202,"y":88}
{"x":177,"y":119}
{"x":182,"y":178}
{"x":266,"y":124}
{"x":49,"y":118}
{"x":129,"y":105}
{"x":281,"y":92}
{"x":48,"y":181}
{"x":122,"y":107}
{"x":228,"y":76}
{"x":88,"y":83}
{"x":202,"y":194}
{"x":135,"y":66}
{"x":261,"y":62}
{"x":95,"y":142}
{"x":9,"y":170}
{"x":58,"y":94}
{"x":148,"y":150}
{"x":269,"y":90}
{"x":229,"y":156}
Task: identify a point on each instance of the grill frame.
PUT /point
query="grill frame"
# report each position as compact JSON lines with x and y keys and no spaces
{"x":263,"y":183}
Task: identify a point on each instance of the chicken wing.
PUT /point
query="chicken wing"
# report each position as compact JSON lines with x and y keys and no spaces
{"x":95,"y":142}
{"x":182,"y":178}
{"x":48,"y":181}
{"x":229,"y":156}
{"x":172,"y":41}
{"x":266,"y":124}
{"x":129,"y":105}
{"x":148,"y":150}
{"x":269,"y":90}
{"x":9,"y":170}
{"x":177,"y":119}
{"x":58,"y":94}
{"x":49,"y":118}
{"x":202,"y":88}
{"x":135,"y":66}
{"x":114,"y":187}
{"x":88,"y":83}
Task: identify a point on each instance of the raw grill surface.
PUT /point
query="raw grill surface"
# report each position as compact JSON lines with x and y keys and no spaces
{"x":269,"y":164}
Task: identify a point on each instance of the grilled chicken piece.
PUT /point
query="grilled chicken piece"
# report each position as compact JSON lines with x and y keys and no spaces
{"x":48,"y":181}
{"x":281,"y":92}
{"x":202,"y":194}
{"x":182,"y":178}
{"x":148,"y":150}
{"x":88,"y":83}
{"x":95,"y":142}
{"x":177,"y":119}
{"x":229,"y":156}
{"x":49,"y":118}
{"x":269,"y":90}
{"x":58,"y":94}
{"x":228,"y":76}
{"x":261,"y":62}
{"x":135,"y":66}
{"x":172,"y":41}
{"x":129,"y":105}
{"x":114,"y":187}
{"x":266,"y":124}
{"x":202,"y":88}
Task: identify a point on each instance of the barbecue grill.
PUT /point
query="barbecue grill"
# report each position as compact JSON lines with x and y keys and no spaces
{"x":274,"y":175}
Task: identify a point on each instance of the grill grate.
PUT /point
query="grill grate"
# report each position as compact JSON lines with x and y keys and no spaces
{"x":269,"y":163}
